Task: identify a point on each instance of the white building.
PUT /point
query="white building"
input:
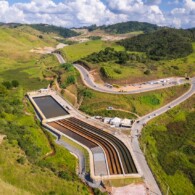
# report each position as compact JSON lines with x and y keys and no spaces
{"x":106,"y":120}
{"x":126,"y":123}
{"x":115,"y":121}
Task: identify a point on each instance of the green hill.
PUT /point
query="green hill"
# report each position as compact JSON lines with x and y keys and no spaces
{"x":170,"y":148}
{"x":162,"y":44}
{"x":44,"y":28}
{"x":25,"y":152}
{"x":126,"y":27}
{"x":64,"y":32}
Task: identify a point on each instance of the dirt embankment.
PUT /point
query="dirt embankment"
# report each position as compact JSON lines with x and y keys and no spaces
{"x":2,"y":137}
{"x":85,"y":35}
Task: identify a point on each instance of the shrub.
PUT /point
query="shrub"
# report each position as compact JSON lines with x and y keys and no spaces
{"x":71,"y":80}
{"x":7,"y":84}
{"x":21,"y":160}
{"x":64,"y":175}
{"x":118,"y":71}
{"x":15,"y":83}
{"x":147,"y":72}
{"x":175,"y":67}
{"x":68,"y":67}
{"x":87,"y":93}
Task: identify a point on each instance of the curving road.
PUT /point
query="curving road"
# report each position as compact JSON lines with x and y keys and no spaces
{"x":88,"y":81}
{"x":60,"y":58}
{"x":91,"y":84}
{"x":138,"y":125}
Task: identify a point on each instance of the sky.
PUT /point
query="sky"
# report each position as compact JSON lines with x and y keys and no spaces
{"x":77,"y":13}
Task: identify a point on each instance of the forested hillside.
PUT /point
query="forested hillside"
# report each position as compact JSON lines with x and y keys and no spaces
{"x":162,"y":44}
{"x":45,"y":28}
{"x":126,"y":27}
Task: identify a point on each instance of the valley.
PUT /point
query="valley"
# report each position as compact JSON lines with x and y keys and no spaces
{"x":91,"y":76}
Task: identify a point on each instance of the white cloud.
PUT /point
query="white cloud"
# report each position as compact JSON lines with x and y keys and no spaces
{"x":10,"y":13}
{"x":137,"y":10}
{"x":184,"y":16}
{"x":70,"y":13}
{"x":153,"y":2}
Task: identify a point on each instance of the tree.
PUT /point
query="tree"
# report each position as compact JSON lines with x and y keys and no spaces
{"x":3,"y":90}
{"x":68,"y":67}
{"x":7,"y":84}
{"x":87,"y":93}
{"x":147,"y":72}
{"x":15,"y":83}
{"x":71,"y":80}
{"x":123,"y":57}
{"x":162,"y":44}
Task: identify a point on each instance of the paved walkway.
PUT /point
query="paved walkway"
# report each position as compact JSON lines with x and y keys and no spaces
{"x":77,"y":152}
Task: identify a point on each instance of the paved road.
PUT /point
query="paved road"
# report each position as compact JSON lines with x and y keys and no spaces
{"x":60,"y":58}
{"x":138,"y":125}
{"x":91,"y":84}
{"x":137,"y":128}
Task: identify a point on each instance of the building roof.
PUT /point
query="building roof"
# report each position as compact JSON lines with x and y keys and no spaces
{"x":115,"y":120}
{"x":126,"y":122}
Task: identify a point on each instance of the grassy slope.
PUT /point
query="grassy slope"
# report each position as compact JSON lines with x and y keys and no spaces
{"x":133,"y":71}
{"x":7,"y":188}
{"x":18,"y":63}
{"x":16,"y":60}
{"x":185,"y":65}
{"x":170,"y":149}
{"x":31,"y":178}
{"x":36,"y":169}
{"x":77,"y":51}
{"x":82,"y":149}
{"x":139,"y":103}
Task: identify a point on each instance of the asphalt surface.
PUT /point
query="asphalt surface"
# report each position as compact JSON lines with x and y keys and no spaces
{"x":138,"y":125}
{"x":60,"y":58}
{"x":91,"y":84}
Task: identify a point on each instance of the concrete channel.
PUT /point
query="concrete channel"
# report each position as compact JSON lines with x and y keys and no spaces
{"x":109,"y":157}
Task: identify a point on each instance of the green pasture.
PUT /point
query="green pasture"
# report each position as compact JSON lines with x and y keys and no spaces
{"x":116,"y":72}
{"x":140,"y":104}
{"x":78,"y":51}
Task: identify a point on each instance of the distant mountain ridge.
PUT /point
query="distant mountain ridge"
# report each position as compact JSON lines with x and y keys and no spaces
{"x":45,"y":28}
{"x":118,"y":28}
{"x":126,"y":27}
